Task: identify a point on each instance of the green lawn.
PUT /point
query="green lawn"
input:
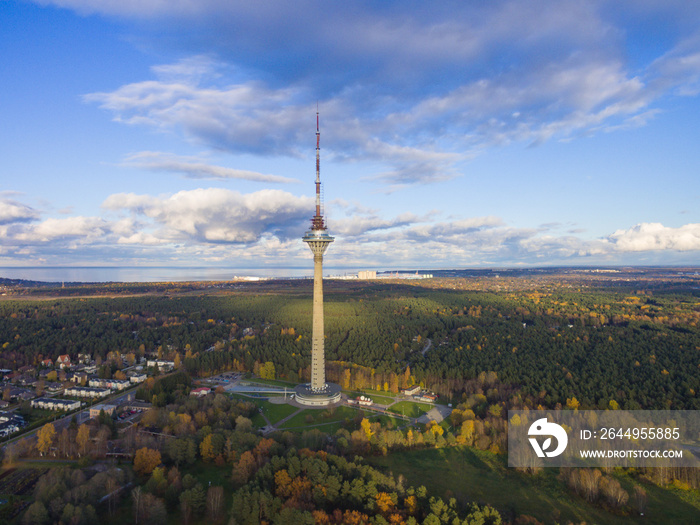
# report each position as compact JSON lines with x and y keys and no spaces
{"x":387,"y":421}
{"x":314,"y":417}
{"x":484,"y":477}
{"x":382,"y":400}
{"x":410,"y":409}
{"x":273,"y":412}
{"x":276,"y":413}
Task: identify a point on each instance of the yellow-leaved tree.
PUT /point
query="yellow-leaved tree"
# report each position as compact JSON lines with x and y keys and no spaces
{"x":45,"y":437}
{"x":82,"y":439}
{"x":146,"y":460}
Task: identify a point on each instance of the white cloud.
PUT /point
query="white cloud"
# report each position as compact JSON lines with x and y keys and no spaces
{"x":654,"y":237}
{"x":82,"y":229}
{"x":264,"y":227}
{"x":415,"y":89}
{"x":219,"y":216}
{"x":360,"y":225}
{"x":12,"y":211}
{"x":194,"y":168}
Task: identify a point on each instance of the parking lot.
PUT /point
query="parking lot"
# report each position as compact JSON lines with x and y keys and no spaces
{"x":226,"y":378}
{"x":128,"y":414}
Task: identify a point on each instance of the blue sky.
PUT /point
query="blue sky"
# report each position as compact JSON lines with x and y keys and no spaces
{"x":453,"y":134}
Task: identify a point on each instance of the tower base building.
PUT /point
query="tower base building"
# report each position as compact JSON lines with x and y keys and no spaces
{"x":307,"y":396}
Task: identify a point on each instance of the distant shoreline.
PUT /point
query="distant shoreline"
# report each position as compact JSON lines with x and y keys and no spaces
{"x":35,"y":276}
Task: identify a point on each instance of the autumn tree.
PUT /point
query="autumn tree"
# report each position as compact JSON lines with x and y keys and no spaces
{"x":146,"y":460}
{"x":394,"y":383}
{"x":82,"y":439}
{"x":45,"y":437}
{"x":244,"y":468}
{"x":572,"y":403}
{"x":366,"y":427}
{"x":346,"y":380}
{"x":267,"y":370}
{"x":206,"y":448}
{"x":282,"y":483}
{"x":385,"y":503}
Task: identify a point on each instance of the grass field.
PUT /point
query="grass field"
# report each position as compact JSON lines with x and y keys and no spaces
{"x":382,"y":400}
{"x":387,"y":421}
{"x":272,"y":411}
{"x":484,"y":477}
{"x":410,"y":409}
{"x":276,"y":413}
{"x":314,"y":417}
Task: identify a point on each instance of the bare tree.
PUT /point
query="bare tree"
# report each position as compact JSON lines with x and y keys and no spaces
{"x":111,"y":486}
{"x":215,"y":502}
{"x":640,"y":499}
{"x":64,"y":443}
{"x":589,"y":483}
{"x":137,"y":497}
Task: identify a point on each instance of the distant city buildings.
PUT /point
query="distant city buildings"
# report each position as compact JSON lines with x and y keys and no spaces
{"x":372,"y":274}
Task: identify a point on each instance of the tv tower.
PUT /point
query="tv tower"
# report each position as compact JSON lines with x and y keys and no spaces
{"x":318,"y":392}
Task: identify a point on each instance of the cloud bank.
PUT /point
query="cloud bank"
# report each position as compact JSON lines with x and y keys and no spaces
{"x":227,"y":227}
{"x":416,"y":88}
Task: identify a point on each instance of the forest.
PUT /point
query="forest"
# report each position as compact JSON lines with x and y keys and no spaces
{"x":486,"y":344}
{"x":637,"y":347}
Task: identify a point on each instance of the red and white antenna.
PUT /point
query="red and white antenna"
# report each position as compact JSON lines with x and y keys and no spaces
{"x":317,"y":221}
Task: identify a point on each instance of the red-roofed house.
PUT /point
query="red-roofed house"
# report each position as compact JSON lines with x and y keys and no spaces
{"x":63,"y":360}
{"x":199,"y":392}
{"x":47,"y":362}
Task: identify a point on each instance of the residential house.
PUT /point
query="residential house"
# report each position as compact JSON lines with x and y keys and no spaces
{"x":138,"y":378}
{"x":51,"y":403}
{"x":163,"y":366}
{"x":85,"y":391}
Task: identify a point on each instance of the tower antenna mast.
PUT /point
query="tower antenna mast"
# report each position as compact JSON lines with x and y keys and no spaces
{"x":317,"y":221}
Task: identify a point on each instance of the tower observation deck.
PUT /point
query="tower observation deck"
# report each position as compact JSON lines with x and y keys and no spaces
{"x":318,"y":392}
